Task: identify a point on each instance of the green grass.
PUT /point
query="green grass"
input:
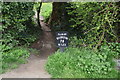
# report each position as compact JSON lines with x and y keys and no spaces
{"x":13,"y":58}
{"x":0,"y":62}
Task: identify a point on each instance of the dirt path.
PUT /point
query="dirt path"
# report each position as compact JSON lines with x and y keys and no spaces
{"x":35,"y":66}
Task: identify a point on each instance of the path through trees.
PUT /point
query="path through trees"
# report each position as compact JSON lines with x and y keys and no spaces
{"x":35,"y":66}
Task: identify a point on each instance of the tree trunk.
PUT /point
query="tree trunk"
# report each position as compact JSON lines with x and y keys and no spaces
{"x":59,"y":17}
{"x":38,"y":14}
{"x":56,"y":13}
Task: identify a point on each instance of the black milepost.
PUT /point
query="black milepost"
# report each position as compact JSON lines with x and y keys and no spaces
{"x":62,"y":40}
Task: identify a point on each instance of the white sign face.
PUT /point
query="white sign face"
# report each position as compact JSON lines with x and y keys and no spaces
{"x":62,"y":38}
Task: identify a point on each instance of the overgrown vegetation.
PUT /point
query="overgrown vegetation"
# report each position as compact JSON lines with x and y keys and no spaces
{"x":94,"y":41}
{"x":14,"y":57}
{"x":114,"y":46}
{"x":82,"y":63}
{"x":94,"y":37}
{"x":17,"y":29}
{"x":95,"y":23}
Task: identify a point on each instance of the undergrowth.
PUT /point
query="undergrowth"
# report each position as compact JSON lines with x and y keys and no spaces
{"x":82,"y":63}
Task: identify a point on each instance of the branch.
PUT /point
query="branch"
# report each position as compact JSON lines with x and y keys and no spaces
{"x":100,"y":41}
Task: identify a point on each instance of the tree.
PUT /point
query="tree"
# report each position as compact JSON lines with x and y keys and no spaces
{"x":58,"y":15}
{"x":38,"y":14}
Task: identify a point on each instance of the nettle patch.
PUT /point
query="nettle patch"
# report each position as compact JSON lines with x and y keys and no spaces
{"x":82,"y":63}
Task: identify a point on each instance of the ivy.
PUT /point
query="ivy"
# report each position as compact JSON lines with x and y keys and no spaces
{"x":14,"y":18}
{"x":95,"y":22}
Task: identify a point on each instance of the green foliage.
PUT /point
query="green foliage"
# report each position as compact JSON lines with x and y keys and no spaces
{"x":116,"y":48}
{"x":14,"y":17}
{"x":82,"y":63}
{"x":94,"y":21}
{"x":13,"y":58}
{"x":30,"y":34}
{"x":76,"y":42}
{"x":15,"y":54}
{"x":46,"y":10}
{"x":0,"y":62}
{"x":17,"y":29}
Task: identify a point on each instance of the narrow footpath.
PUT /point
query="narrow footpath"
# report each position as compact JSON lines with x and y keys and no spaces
{"x":35,"y":66}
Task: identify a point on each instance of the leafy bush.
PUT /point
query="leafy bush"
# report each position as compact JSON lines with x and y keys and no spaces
{"x":17,"y":30}
{"x":110,"y":46}
{"x":76,"y":42}
{"x":116,"y":48}
{"x":14,"y":18}
{"x":94,"y":22}
{"x":82,"y":63}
